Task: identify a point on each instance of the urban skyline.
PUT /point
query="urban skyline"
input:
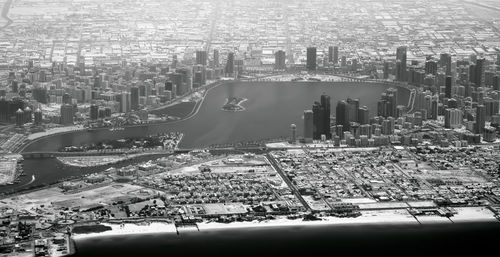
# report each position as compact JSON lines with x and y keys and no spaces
{"x":208,"y":118}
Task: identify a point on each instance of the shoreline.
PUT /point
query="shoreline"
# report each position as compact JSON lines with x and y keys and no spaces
{"x":369,"y":218}
{"x":200,"y":102}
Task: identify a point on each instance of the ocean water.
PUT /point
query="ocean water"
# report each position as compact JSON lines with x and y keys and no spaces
{"x":349,"y":240}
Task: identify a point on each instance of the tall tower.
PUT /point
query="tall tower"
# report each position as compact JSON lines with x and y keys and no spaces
{"x":308,"y":126}
{"x":321,"y":118}
{"x":134,"y":98}
{"x":330,"y":54}
{"x":447,"y":88}
{"x":480,"y":119}
{"x":229,"y":70}
{"x":342,"y":115}
{"x":293,"y":133}
{"x":67,"y":114}
{"x":401,"y":60}
{"x":279,"y":60}
{"x":201,"y":57}
{"x":335,"y":54}
{"x":311,"y":59}
{"x":216,"y":58}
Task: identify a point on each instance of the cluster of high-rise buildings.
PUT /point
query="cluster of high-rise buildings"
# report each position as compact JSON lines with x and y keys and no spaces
{"x":66,"y":94}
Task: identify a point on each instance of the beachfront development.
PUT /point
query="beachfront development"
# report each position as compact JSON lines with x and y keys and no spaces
{"x":306,"y":185}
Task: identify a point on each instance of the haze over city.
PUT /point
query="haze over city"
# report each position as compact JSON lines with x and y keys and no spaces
{"x":244,"y":128}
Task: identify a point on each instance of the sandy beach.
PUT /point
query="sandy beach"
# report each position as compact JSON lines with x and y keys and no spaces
{"x":378,"y":217}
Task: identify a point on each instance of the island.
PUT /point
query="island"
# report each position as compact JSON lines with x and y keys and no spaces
{"x":233,"y":104}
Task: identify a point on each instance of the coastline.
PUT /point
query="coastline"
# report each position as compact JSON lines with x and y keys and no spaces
{"x":369,"y":218}
{"x":199,"y":103}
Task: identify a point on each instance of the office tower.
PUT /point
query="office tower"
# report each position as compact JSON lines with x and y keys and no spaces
{"x":201,"y":57}
{"x":187,"y":80}
{"x":453,"y":118}
{"x":363,"y":115}
{"x":491,"y":106}
{"x":431,"y":67}
{"x":293,"y":133}
{"x":401,"y":63}
{"x":386,"y":70}
{"x":434,"y":107}
{"x":335,"y":54}
{"x":387,"y":106}
{"x":229,"y":69}
{"x":445,"y":62}
{"x":124,"y":100}
{"x":279,"y":60}
{"x":94,"y":112}
{"x":472,"y":74}
{"x":311,"y":59}
{"x":38,"y":116}
{"x":352,"y":109}
{"x":480,"y":67}
{"x":176,"y":79}
{"x":67,"y":113}
{"x":134,"y":98}
{"x":480,"y":119}
{"x":308,"y":126}
{"x":330,"y":54}
{"x":342,"y":115}
{"x":447,"y":89}
{"x":216,"y":58}
{"x":321,"y":118}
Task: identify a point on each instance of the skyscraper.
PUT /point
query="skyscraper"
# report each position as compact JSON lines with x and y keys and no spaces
{"x":293,"y":133}
{"x":134,"y":98}
{"x":387,"y":106}
{"x":342,"y":115}
{"x":480,"y":119}
{"x":321,"y":118}
{"x":447,"y":88}
{"x":480,"y":67}
{"x":308,"y":126}
{"x":279,"y":60}
{"x":363,"y":115}
{"x":67,"y":114}
{"x":335,"y":54}
{"x":311,"y":59}
{"x":229,"y":69}
{"x":94,"y":112}
{"x":330,"y":54}
{"x":352,"y":110}
{"x":216,"y":58}
{"x":401,"y":64}
{"x":445,"y":62}
{"x":201,"y":57}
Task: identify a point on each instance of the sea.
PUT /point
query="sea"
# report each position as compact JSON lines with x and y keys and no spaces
{"x":471,"y":239}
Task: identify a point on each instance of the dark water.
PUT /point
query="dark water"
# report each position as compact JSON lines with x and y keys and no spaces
{"x":270,"y":109}
{"x":366,"y":240}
